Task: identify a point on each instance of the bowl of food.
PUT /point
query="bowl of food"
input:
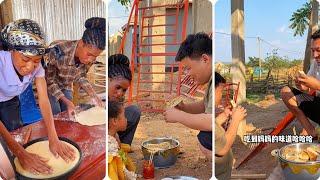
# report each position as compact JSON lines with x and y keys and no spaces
{"x":299,"y":160}
{"x":162,"y":151}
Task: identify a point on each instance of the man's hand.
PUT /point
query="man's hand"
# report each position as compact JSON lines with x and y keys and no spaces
{"x":59,"y":148}
{"x":70,"y":107}
{"x":97,"y":101}
{"x":239,"y":113}
{"x":172,"y":115}
{"x":34,"y":163}
{"x":309,"y":82}
{"x":300,"y":86}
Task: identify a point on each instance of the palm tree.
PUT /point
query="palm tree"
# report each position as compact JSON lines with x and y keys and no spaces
{"x":300,"y":20}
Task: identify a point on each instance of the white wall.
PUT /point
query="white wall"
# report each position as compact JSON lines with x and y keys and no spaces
{"x":60,"y":19}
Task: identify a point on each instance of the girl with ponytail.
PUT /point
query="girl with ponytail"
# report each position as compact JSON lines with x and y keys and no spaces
{"x":69,"y":62}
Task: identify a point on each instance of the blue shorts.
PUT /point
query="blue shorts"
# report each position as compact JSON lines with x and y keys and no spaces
{"x":205,"y":139}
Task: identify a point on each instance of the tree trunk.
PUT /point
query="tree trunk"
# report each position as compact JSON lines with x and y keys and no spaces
{"x":313,"y":26}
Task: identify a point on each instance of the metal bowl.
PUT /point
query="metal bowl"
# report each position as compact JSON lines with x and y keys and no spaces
{"x":162,"y":159}
{"x":294,"y":170}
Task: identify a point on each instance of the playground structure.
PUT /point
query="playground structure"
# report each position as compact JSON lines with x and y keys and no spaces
{"x":157,"y":77}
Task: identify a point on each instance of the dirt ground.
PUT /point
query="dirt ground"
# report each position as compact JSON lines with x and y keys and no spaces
{"x":264,"y":114}
{"x":191,"y":162}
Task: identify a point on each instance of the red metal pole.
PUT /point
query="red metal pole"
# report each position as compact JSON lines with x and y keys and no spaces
{"x":236,"y":93}
{"x":141,"y":28}
{"x":185,"y":19}
{"x":177,"y":22}
{"x":138,"y":84}
{"x":133,"y":52}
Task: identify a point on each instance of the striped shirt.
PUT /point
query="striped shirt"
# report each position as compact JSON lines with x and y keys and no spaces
{"x":62,"y":70}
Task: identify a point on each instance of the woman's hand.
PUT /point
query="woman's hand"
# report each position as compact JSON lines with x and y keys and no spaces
{"x":34,"y":163}
{"x":59,"y":148}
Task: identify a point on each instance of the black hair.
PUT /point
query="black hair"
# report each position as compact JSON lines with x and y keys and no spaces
{"x":95,"y":33}
{"x":316,"y":35}
{"x":118,"y":66}
{"x":114,"y":109}
{"x":194,"y":46}
{"x":218,"y":79}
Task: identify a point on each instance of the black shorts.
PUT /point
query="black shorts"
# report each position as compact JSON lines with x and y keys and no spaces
{"x":308,"y":104}
{"x":205,"y":139}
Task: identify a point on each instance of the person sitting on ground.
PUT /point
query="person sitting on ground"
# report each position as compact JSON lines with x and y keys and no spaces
{"x":302,"y":104}
{"x":120,"y":166}
{"x":119,"y":79}
{"x":224,"y":139}
{"x":195,"y":54}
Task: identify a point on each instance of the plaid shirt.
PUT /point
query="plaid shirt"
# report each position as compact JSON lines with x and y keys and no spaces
{"x":62,"y":71}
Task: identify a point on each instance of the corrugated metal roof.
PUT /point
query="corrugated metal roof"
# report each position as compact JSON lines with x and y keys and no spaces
{"x":60,"y":19}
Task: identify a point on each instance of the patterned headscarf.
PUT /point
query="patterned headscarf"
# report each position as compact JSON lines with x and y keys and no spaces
{"x":25,"y":36}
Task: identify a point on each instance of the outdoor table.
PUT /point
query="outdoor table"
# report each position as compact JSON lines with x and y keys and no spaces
{"x":91,"y":140}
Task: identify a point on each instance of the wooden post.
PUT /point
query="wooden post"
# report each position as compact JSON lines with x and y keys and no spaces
{"x":6,"y":12}
{"x":238,"y":54}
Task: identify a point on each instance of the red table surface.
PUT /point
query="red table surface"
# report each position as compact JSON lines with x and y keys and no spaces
{"x":91,"y":140}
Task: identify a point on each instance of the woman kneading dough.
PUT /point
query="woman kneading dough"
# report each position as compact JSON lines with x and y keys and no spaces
{"x":20,"y":64}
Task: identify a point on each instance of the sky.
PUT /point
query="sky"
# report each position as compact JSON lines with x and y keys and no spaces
{"x":117,"y":16}
{"x":268,"y":19}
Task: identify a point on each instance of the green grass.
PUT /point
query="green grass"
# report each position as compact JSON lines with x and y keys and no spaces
{"x":256,"y":97}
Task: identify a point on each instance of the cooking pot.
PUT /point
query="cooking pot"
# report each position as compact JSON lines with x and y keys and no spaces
{"x":296,"y":170}
{"x":165,"y":158}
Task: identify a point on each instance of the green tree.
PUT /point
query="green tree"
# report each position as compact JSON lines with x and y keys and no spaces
{"x":124,"y":2}
{"x":253,"y":62}
{"x":274,"y":62}
{"x":303,"y":18}
{"x":300,"y":19}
